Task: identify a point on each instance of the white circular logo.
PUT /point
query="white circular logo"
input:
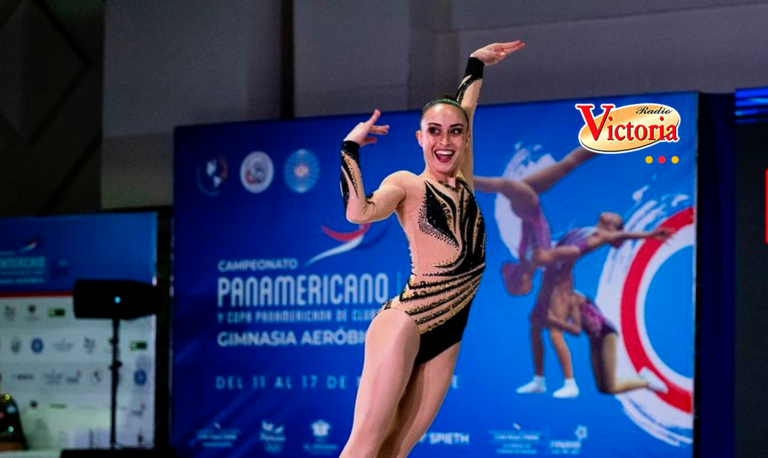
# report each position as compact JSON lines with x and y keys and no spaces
{"x":256,"y":172}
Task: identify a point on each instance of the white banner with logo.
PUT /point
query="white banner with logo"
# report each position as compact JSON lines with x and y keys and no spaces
{"x":57,"y":367}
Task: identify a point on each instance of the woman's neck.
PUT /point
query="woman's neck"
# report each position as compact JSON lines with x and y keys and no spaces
{"x":441,"y":177}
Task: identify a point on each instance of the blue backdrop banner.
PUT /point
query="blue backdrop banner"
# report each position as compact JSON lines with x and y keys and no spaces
{"x":274,"y":290}
{"x":49,"y":254}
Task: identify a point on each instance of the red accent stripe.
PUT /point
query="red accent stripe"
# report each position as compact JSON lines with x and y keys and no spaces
{"x":677,"y":396}
{"x":346,"y":236}
{"x":37,"y":294}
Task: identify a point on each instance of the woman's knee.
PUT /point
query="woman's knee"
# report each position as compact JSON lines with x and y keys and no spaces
{"x":556,"y":336}
{"x":360,"y":446}
{"x":523,"y":199}
{"x":605,"y":386}
{"x":527,"y":207}
{"x":400,"y":453}
{"x":605,"y":389}
{"x":392,"y":446}
{"x":370,"y":437}
{"x":536,"y":322}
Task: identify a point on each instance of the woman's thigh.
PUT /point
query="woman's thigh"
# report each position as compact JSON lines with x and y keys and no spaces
{"x":419,"y":405}
{"x":391,"y":345}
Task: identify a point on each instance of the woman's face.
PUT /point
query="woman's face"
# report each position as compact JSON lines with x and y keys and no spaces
{"x":443,"y":137}
{"x":612,"y":222}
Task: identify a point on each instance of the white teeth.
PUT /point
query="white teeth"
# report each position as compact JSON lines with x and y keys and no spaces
{"x":446,"y":153}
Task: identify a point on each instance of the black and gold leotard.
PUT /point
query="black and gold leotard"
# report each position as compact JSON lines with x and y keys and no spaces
{"x":446,"y":237}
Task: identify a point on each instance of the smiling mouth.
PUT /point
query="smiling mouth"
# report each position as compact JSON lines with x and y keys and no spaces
{"x":444,"y":155}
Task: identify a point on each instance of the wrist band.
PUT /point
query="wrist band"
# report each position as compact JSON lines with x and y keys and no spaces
{"x":474,"y":72}
{"x":474,"y":68}
{"x":351,"y":148}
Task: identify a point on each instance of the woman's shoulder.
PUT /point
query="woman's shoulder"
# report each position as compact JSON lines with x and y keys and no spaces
{"x":403,"y":178}
{"x":409,"y":182}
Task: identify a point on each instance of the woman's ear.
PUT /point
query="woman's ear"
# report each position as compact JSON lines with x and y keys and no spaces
{"x":418,"y":137}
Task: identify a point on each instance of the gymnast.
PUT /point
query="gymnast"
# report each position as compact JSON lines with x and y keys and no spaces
{"x":559,"y":308}
{"x":412,"y":344}
{"x":535,"y":247}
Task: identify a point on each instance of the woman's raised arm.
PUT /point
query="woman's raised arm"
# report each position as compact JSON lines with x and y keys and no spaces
{"x":469,"y":91}
{"x":382,"y":203}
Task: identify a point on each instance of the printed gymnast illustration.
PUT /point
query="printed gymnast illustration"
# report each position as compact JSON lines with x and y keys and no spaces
{"x":535,"y":246}
{"x":559,"y":308}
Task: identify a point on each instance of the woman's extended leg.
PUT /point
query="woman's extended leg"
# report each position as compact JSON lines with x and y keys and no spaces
{"x":522,"y":197}
{"x":537,"y":385}
{"x":569,"y":389}
{"x":524,"y":194}
{"x":604,"y":366}
{"x":418,"y":407}
{"x":391,"y":346}
{"x":563,"y":353}
{"x":544,"y":179}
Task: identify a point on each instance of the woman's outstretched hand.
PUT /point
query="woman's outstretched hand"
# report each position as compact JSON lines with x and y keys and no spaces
{"x":662,"y":233}
{"x":361,"y":134}
{"x":496,"y":52}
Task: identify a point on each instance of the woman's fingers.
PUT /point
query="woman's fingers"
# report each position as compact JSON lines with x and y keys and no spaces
{"x":505,"y":49}
{"x":496,"y":52}
{"x":380,"y":130}
{"x":508,"y":47}
{"x":374,"y":117}
{"x":363,"y":131}
{"x":512,"y":46}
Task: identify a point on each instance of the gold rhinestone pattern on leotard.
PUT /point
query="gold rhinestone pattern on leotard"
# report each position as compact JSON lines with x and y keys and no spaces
{"x":450,"y":232}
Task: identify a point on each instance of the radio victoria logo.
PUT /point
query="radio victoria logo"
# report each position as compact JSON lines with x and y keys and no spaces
{"x":627,"y":128}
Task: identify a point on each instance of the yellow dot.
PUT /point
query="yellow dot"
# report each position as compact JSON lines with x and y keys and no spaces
{"x":675,"y":159}
{"x":649,"y":159}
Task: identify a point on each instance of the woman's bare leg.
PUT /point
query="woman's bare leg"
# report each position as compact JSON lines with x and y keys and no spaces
{"x":391,"y":345}
{"x":607,"y":368}
{"x":563,"y":353}
{"x":524,"y":194}
{"x":595,"y":351}
{"x":544,"y":179}
{"x":422,"y":399}
{"x":523,"y":199}
{"x":537,"y":385}
{"x":537,"y":349}
{"x":569,"y":389}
